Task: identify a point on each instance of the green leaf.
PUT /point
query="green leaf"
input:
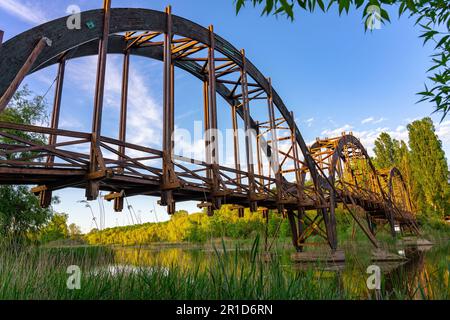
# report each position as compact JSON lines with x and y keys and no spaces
{"x":442,"y":41}
{"x":321,"y":5}
{"x":385,"y":15}
{"x":359,"y":3}
{"x":239,"y":5}
{"x":269,"y":7}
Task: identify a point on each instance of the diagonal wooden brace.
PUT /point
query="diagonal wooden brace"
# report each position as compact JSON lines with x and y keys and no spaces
{"x":26,"y":67}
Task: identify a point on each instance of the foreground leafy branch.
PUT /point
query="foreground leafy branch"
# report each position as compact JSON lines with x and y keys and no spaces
{"x":432,"y":16}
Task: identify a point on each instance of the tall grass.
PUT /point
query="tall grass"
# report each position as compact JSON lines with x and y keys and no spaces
{"x":38,"y":273}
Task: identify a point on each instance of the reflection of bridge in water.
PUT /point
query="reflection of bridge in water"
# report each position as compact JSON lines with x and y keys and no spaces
{"x":279,"y":172}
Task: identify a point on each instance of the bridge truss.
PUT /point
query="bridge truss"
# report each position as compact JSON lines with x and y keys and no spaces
{"x":280,"y":172}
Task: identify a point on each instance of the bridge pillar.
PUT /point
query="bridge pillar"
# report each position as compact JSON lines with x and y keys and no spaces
{"x":237,"y":161}
{"x":212,"y":134}
{"x":169,"y":178}
{"x":124,"y":107}
{"x":57,"y":105}
{"x":248,"y":139}
{"x":96,"y":163}
{"x":44,"y":192}
{"x":299,"y":187}
{"x":294,"y":230}
{"x":301,"y":227}
{"x":274,"y":157}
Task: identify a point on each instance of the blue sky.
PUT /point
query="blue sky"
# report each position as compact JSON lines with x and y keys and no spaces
{"x":329,"y":72}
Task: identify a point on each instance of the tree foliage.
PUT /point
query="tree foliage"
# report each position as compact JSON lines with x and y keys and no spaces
{"x":55,"y":229}
{"x":423,"y":166}
{"x":433,"y":16}
{"x":74,"y":231}
{"x":20,"y":213}
{"x":385,"y":151}
{"x":429,"y":167}
{"x":197,"y":227}
{"x":24,"y":108}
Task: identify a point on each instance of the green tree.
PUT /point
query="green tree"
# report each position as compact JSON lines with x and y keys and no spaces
{"x":433,"y":16}
{"x":27,"y":109}
{"x":385,"y":151}
{"x":56,"y":228}
{"x":74,"y":231}
{"x":390,"y":153}
{"x":20,"y":213}
{"x":429,"y":167}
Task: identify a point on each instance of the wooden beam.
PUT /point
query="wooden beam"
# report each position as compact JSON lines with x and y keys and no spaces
{"x":92,"y":190}
{"x":124,"y":104}
{"x":26,"y":67}
{"x":57,"y":106}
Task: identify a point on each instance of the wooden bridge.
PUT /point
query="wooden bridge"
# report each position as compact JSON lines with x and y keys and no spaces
{"x":279,"y":172}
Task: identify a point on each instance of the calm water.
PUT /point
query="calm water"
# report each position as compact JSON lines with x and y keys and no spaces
{"x":425,"y":273}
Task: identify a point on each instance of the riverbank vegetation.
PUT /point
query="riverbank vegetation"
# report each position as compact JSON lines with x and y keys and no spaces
{"x":223,"y":273}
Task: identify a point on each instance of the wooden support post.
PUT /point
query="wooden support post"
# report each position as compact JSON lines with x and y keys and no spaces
{"x":169,"y":179}
{"x":124,"y":106}
{"x":274,"y":158}
{"x":241,"y":212}
{"x":45,"y":193}
{"x":237,"y":161}
{"x":259,"y":159}
{"x":92,"y":190}
{"x":213,"y":147}
{"x":118,"y":198}
{"x":118,"y":201}
{"x":248,"y":139}
{"x":298,"y":176}
{"x":206,"y":125}
{"x":294,"y":230}
{"x":57,"y":106}
{"x":299,"y":184}
{"x":301,"y":227}
{"x":28,"y":64}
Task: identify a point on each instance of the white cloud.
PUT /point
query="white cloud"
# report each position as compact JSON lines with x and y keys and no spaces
{"x":25,"y":11}
{"x":144,"y":111}
{"x":368,"y":137}
{"x":336,"y":132}
{"x":309,"y":122}
{"x":372,"y":120}
{"x":69,"y":122}
{"x":379,"y":120}
{"x":367,"y":120}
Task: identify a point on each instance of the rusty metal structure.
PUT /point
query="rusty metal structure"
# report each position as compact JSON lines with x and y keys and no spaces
{"x":280,"y":172}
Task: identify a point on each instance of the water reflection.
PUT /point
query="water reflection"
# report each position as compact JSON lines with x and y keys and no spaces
{"x":423,"y":276}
